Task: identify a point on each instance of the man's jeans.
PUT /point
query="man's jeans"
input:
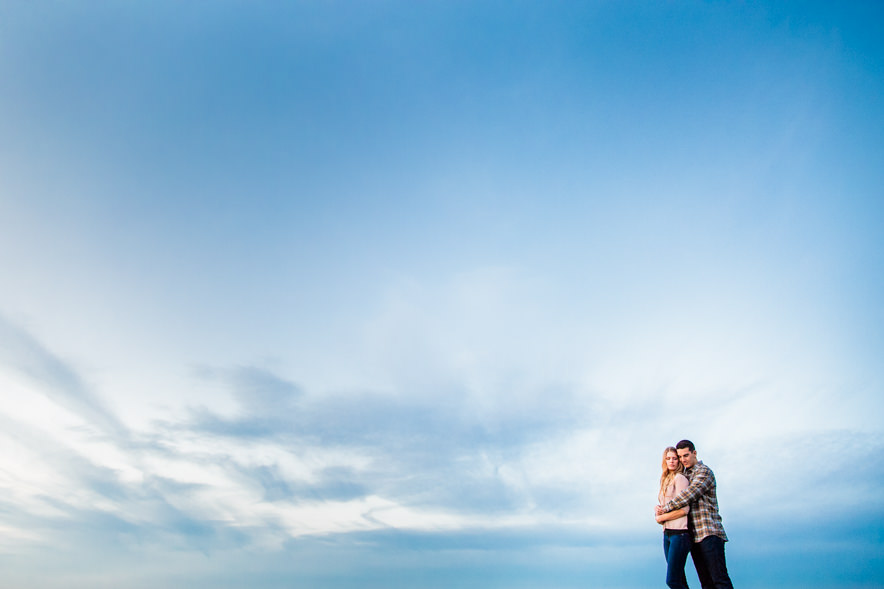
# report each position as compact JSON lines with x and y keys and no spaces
{"x":675,"y":549}
{"x":708,"y":557}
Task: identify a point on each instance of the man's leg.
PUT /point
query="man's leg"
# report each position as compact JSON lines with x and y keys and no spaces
{"x":699,"y":559}
{"x":712,"y":554}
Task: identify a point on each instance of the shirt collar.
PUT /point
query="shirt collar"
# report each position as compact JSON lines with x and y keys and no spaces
{"x":691,"y":469}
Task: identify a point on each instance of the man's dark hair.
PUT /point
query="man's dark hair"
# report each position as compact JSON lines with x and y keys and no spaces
{"x":685,"y":444}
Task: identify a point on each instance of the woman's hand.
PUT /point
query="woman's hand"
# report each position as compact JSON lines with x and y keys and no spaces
{"x":670,"y":515}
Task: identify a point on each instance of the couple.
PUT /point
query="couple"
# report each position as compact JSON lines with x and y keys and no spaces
{"x":688,"y":510}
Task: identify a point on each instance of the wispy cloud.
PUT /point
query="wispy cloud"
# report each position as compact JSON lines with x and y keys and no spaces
{"x":56,"y":379}
{"x":388,"y":471}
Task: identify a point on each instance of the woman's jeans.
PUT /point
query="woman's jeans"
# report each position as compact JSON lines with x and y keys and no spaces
{"x":676,"y":548}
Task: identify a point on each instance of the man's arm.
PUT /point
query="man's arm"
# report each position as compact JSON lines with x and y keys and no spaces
{"x":702,"y":480}
{"x":671,"y":515}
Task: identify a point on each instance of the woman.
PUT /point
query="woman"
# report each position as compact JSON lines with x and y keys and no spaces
{"x":676,"y":537}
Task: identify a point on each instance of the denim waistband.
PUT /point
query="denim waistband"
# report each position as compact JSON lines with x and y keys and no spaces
{"x":668,"y":532}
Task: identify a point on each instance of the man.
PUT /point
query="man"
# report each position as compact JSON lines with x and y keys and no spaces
{"x":707,"y":550}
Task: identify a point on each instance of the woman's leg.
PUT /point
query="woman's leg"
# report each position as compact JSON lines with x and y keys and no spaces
{"x":677,"y":549}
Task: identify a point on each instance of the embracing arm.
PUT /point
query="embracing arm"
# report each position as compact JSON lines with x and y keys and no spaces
{"x":671,"y":515}
{"x":702,"y":480}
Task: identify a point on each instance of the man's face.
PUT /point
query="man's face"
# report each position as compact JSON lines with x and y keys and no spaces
{"x":688,"y":458}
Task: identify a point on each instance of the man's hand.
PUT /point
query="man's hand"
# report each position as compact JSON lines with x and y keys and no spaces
{"x":658,"y":510}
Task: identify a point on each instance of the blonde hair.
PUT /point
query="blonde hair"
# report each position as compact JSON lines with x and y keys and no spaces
{"x":668,"y":476}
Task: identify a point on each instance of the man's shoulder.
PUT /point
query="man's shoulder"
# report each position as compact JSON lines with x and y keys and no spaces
{"x":703,"y":470}
{"x":700,"y":468}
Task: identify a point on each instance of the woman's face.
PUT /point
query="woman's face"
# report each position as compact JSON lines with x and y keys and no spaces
{"x":672,"y":461}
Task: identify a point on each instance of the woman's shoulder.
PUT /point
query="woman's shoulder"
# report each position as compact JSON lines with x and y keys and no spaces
{"x":680,"y":478}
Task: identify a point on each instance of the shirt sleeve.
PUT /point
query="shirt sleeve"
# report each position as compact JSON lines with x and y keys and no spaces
{"x":701,"y":481}
{"x":682,"y":483}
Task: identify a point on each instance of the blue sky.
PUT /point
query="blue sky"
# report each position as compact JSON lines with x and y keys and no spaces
{"x":394,"y":294}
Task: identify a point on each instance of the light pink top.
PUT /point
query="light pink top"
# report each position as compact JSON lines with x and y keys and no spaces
{"x":679,"y":485}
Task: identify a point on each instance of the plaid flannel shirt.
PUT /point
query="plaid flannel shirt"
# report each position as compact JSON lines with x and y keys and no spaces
{"x":700,"y":495}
